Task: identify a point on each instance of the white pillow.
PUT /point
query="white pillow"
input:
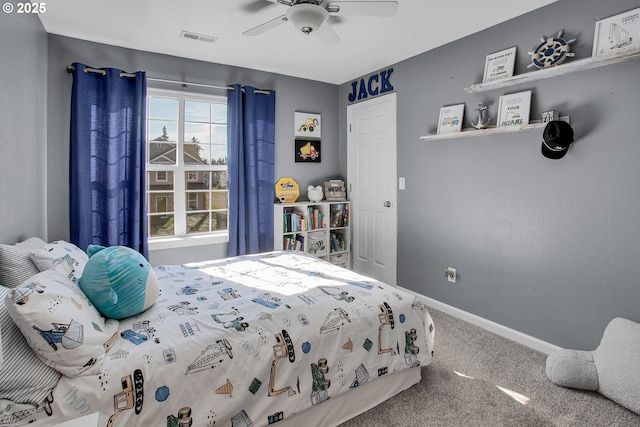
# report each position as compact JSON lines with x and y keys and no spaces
{"x":23,"y":376}
{"x":60,"y":253}
{"x":60,"y":323}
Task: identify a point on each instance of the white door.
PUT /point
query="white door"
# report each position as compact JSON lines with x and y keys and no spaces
{"x":371,"y":175}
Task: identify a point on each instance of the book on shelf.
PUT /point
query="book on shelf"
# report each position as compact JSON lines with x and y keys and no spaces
{"x":293,"y":242}
{"x":316,"y":218}
{"x":294,"y":222}
{"x":334,"y":242}
{"x":337,"y":242}
{"x":339,"y":214}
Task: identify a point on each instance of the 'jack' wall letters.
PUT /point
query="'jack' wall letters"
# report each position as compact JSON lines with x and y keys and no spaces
{"x":376,"y":84}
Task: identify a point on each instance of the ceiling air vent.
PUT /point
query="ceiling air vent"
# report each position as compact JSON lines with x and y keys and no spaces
{"x":194,"y":36}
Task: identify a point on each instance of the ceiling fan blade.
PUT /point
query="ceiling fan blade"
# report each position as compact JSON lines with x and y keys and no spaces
{"x":362,"y":8}
{"x":327,"y":35}
{"x":257,"y":5}
{"x":266,"y":26}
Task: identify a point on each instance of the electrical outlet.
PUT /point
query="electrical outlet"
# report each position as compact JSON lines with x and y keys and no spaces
{"x":450,"y":272}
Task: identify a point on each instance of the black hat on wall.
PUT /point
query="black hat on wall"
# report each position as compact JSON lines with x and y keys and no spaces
{"x":556,"y":138}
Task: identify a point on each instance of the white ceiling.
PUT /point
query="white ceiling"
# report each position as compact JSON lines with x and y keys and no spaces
{"x":367,"y":43}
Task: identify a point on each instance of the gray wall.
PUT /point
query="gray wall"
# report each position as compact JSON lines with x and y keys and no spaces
{"x":546,"y":247}
{"x":292,"y":94}
{"x":23,"y":43}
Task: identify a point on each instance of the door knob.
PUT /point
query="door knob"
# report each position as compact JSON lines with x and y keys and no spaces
{"x":387,"y":204}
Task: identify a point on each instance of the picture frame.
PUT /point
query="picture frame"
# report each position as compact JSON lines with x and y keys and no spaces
{"x":514,"y":109}
{"x":307,"y":125}
{"x":616,"y":34}
{"x":307,"y":150}
{"x":499,"y":65}
{"x":450,"y":119}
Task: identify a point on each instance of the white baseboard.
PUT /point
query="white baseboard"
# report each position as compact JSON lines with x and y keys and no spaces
{"x":496,"y":328}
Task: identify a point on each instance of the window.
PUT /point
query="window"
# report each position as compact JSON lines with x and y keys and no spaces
{"x":186,"y":164}
{"x":161,"y":176}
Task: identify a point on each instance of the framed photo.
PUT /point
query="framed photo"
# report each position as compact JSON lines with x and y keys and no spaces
{"x":307,"y":150}
{"x":513,"y":110}
{"x":307,"y":125}
{"x":499,"y":65}
{"x":450,"y":119}
{"x":617,"y":33}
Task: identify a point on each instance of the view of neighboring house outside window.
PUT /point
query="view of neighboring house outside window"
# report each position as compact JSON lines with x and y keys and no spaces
{"x":186,"y":164}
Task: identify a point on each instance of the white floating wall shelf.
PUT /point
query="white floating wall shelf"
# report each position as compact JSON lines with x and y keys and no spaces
{"x":560,"y":70}
{"x":471,"y":132}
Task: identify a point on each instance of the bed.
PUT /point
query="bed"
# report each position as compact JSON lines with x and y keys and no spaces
{"x":280,"y":337}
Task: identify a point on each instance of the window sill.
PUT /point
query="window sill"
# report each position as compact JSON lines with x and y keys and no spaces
{"x":159,"y":243}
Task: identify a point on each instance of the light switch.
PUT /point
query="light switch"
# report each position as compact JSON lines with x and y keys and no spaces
{"x":401,"y":183}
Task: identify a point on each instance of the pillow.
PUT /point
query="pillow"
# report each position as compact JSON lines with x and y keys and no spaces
{"x":23,"y":376}
{"x":119,"y":281}
{"x":31,"y":244}
{"x":15,"y":264}
{"x":60,"y":323}
{"x":60,"y":253}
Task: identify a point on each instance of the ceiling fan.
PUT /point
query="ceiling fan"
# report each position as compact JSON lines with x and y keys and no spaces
{"x":311,"y":16}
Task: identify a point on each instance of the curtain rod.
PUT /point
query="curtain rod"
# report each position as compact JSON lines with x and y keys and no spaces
{"x":71,"y":68}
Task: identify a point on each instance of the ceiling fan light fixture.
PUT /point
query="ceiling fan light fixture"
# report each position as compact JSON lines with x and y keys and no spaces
{"x":307,"y":17}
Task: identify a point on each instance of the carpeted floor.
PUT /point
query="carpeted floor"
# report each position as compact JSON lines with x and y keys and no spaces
{"x":478,"y":378}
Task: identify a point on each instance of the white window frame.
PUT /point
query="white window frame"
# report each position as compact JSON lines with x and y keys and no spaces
{"x":190,"y":179}
{"x":180,"y":237}
{"x":166,"y":178}
{"x":192,"y":199}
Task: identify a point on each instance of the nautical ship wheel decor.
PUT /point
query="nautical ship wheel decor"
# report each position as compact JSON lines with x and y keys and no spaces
{"x":550,"y":52}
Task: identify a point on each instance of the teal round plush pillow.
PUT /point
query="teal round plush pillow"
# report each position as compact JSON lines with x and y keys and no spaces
{"x":118,"y":281}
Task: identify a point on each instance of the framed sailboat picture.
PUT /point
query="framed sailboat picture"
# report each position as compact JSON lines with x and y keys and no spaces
{"x":617,"y":34}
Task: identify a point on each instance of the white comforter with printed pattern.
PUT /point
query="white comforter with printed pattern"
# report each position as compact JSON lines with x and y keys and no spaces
{"x":246,"y":341}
